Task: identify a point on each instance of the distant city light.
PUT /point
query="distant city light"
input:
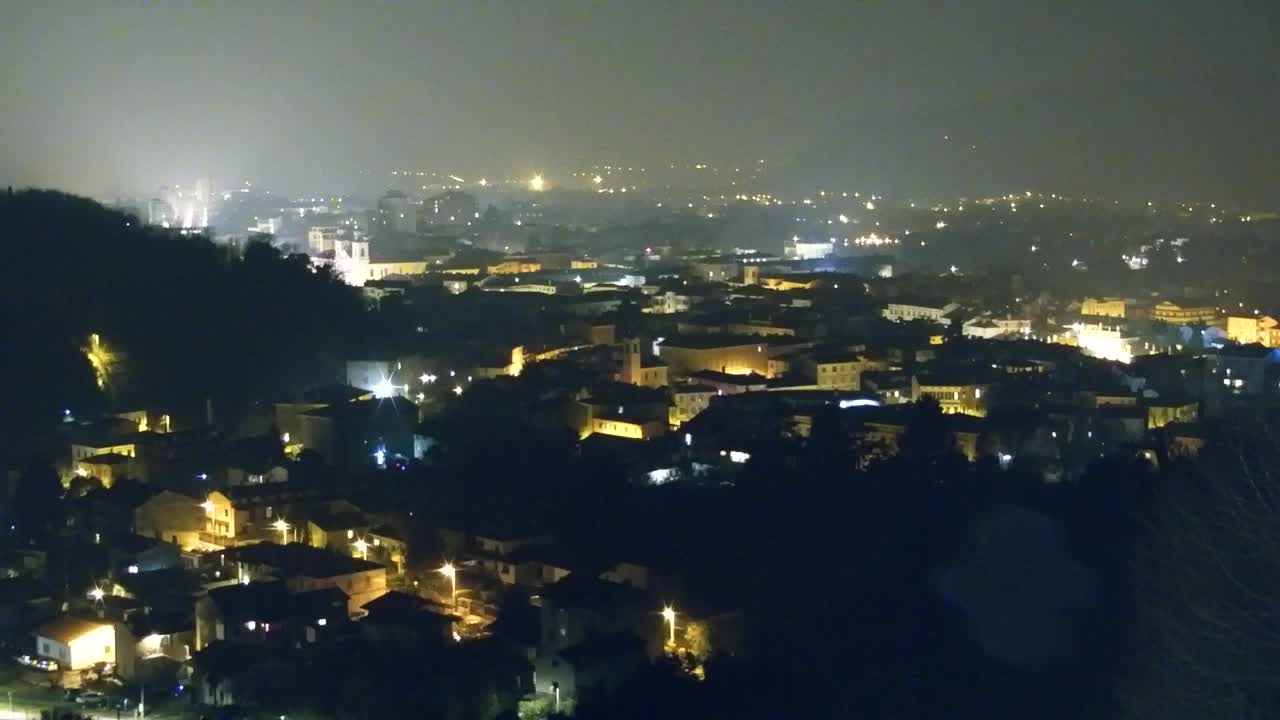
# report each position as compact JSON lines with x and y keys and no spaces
{"x":537,"y":184}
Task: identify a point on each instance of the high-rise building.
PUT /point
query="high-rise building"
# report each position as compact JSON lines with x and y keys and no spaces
{"x":395,"y":213}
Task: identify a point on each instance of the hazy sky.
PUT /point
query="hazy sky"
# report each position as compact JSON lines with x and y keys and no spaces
{"x":1161,"y":96}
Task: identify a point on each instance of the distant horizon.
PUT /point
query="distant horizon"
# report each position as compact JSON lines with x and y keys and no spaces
{"x":905,"y":97}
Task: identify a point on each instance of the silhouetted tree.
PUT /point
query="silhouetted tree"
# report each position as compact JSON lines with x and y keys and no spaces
{"x":37,"y":497}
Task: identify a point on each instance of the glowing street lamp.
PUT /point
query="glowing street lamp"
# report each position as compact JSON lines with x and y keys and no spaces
{"x":457,"y":390}
{"x":283,"y":528}
{"x":451,"y":572}
{"x":669,"y":616}
{"x":362,"y":547}
{"x":97,"y":594}
{"x":537,"y":184}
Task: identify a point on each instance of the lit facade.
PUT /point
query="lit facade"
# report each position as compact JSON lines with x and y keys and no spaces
{"x":1246,"y":330}
{"x":734,"y":358}
{"x":961,"y":399}
{"x":1112,"y":307}
{"x":907,"y":312}
{"x":1177,"y":314}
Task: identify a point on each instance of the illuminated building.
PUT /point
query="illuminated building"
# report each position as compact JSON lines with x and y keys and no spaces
{"x":450,"y":208}
{"x":954,"y":395}
{"x":640,"y":369}
{"x":109,"y":467}
{"x":1111,"y":307}
{"x":1105,"y":341}
{"x":395,"y":214}
{"x":788,"y":281}
{"x":583,"y":264}
{"x":321,"y":239}
{"x":1249,"y":329}
{"x":838,"y":370}
{"x":1160,"y":414}
{"x":929,"y":311}
{"x":79,"y":644}
{"x":730,"y":354}
{"x":689,"y":400}
{"x":622,"y":410}
{"x":305,"y":569}
{"x":801,"y":250}
{"x":715,"y":270}
{"x":184,"y":521}
{"x":1184,"y":314}
{"x":515,"y":266}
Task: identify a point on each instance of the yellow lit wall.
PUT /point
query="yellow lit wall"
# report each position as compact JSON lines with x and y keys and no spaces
{"x":1159,"y":416}
{"x":514,"y":267}
{"x":1253,"y":329}
{"x":732,"y":359}
{"x":1174,"y":313}
{"x":1105,"y":307}
{"x":378,"y":271}
{"x":583,"y":264}
{"x":625,"y":428}
{"x":785,"y":283}
{"x":962,"y":399}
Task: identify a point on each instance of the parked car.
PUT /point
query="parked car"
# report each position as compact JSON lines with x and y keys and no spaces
{"x":90,"y":698}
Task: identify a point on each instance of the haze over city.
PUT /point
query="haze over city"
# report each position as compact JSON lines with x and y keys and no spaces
{"x":644,"y":360}
{"x":1172,"y":100}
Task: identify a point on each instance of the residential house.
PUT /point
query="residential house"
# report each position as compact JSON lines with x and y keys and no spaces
{"x":78,"y":644}
{"x":268,"y":613}
{"x":303,"y":568}
{"x":590,"y":668}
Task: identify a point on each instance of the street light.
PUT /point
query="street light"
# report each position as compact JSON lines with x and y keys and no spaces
{"x":449,"y":571}
{"x":536,"y":183}
{"x":669,"y":615}
{"x":97,"y":594}
{"x":363,"y":547}
{"x":283,"y":527}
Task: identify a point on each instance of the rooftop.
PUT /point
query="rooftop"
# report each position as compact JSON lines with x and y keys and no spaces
{"x":296,"y":559}
{"x":68,"y":628}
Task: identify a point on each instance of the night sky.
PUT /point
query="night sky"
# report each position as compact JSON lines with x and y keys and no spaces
{"x":1167,"y":98}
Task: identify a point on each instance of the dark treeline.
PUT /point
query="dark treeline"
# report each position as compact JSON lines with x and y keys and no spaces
{"x":193,"y":319}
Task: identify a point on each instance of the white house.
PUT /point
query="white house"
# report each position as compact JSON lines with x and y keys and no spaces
{"x":920,"y":310}
{"x":79,"y":643}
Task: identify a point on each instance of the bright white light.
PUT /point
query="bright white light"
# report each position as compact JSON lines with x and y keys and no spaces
{"x":871,"y":205}
{"x":597,"y":179}
{"x":380,"y":456}
{"x":132,"y":569}
{"x":859,"y":402}
{"x":688,"y":439}
{"x":97,"y":594}
{"x":457,"y":390}
{"x":251,"y":625}
{"x":844,"y":218}
{"x":322,"y":622}
{"x":384,"y":389}
{"x":940,"y":224}
{"x":483,"y":182}
{"x":537,"y":184}
{"x":738,"y":456}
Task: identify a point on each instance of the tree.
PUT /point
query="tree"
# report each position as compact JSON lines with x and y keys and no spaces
{"x":37,"y":498}
{"x":1208,"y":575}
